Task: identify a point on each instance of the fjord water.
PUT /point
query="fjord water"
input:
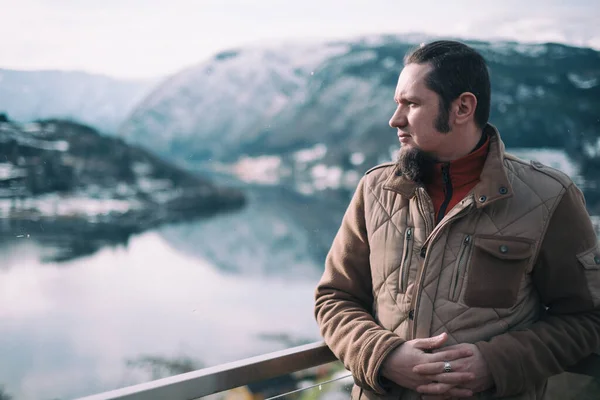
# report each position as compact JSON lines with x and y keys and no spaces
{"x":210,"y":291}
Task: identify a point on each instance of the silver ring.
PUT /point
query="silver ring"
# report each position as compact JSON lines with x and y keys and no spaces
{"x":447,"y":367}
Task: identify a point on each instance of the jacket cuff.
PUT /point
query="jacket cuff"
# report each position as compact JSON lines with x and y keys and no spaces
{"x":372,"y":358}
{"x":505,"y":367}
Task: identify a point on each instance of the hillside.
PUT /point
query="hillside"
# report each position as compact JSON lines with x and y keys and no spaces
{"x":64,"y":184}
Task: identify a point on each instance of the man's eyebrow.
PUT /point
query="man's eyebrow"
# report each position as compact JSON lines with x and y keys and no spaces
{"x":412,"y":99}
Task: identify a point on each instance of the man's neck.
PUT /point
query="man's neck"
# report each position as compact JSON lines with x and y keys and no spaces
{"x":481,"y":142}
{"x":471,"y":140}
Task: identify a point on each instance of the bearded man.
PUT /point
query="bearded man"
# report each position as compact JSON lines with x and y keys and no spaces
{"x":459,"y":270}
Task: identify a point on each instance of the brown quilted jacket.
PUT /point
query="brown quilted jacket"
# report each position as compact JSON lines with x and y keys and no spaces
{"x":513,"y":268}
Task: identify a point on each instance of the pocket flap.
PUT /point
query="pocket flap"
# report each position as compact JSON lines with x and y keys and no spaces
{"x":505,"y":248}
{"x":590,"y":259}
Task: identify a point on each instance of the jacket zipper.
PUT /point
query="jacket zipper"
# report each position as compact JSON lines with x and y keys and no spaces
{"x":406,"y":259}
{"x":420,"y":278}
{"x":466,"y":244}
{"x":448,"y":191}
{"x":422,"y":196}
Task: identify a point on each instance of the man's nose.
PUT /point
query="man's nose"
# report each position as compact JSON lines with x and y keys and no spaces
{"x":398,"y":119}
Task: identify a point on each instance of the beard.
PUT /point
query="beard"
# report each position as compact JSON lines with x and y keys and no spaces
{"x":416,"y":164}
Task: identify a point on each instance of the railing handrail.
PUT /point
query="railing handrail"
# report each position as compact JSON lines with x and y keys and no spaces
{"x":207,"y":381}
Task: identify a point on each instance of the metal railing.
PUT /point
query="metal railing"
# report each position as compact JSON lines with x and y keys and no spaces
{"x":207,"y":381}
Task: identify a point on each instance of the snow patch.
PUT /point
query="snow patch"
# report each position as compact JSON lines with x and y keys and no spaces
{"x":153,"y":185}
{"x":305,"y":188}
{"x":351,"y":179}
{"x":592,"y":150}
{"x":532,"y":50}
{"x":389,"y":63}
{"x":141,"y":168}
{"x":263,"y":169}
{"x":59,"y":145}
{"x":74,"y":205}
{"x":312,"y":154}
{"x":326,"y":177}
{"x":582,"y":82}
{"x":526,"y":92}
{"x":32,"y":127}
{"x":165,"y":196}
{"x":357,"y":158}
{"x":9,"y":171}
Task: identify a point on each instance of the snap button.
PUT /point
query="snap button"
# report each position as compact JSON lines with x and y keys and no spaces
{"x":411,"y":314}
{"x":597,"y":260}
{"x":503,"y":249}
{"x":503,"y":190}
{"x":423,"y":251}
{"x":482,"y":199}
{"x":398,"y":172}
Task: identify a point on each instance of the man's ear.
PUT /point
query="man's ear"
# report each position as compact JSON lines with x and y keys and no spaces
{"x":464,"y":107}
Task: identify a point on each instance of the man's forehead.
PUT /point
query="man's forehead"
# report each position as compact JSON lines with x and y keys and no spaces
{"x":412,"y":78}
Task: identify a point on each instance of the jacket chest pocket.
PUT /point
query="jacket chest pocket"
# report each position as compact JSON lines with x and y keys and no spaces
{"x":496,"y":268}
{"x":590,"y":260}
{"x":406,"y":259}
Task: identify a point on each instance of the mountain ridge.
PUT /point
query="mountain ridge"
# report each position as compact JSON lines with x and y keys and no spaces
{"x":94,"y":99}
{"x":274,"y":101}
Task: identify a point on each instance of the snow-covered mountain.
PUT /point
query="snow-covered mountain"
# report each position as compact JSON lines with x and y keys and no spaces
{"x":96,"y":100}
{"x":227,"y":103}
{"x":320,"y":111}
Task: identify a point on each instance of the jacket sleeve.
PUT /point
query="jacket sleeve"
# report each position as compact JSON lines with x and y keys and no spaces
{"x":344,"y":301}
{"x":567,"y":277}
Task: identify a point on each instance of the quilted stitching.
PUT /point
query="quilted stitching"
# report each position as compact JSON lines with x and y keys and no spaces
{"x":389,"y":216}
{"x":440,"y":320}
{"x":541,"y":201}
{"x":377,"y":204}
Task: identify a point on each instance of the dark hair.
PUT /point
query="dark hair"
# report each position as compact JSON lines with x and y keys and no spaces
{"x":457,"y":68}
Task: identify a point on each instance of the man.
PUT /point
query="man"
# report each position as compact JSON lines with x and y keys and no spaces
{"x":459,"y":270}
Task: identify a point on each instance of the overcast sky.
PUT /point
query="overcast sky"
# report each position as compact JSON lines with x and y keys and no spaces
{"x":150,"y":38}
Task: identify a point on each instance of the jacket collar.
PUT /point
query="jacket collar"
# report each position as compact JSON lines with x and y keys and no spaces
{"x":493,"y":185}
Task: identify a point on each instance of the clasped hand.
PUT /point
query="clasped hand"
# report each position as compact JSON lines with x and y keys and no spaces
{"x":410,"y":366}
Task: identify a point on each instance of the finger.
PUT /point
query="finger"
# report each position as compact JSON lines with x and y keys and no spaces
{"x":459,"y":393}
{"x":437,"y":367}
{"x":434,"y":388}
{"x":431,"y":343}
{"x":453,"y":347}
{"x":450,"y":355}
{"x":453,"y":378}
{"x":430,"y":368}
{"x":444,"y":389}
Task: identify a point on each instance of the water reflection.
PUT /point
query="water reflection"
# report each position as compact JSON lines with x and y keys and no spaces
{"x":68,"y":332}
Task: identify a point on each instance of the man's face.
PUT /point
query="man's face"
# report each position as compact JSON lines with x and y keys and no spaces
{"x":418,"y":117}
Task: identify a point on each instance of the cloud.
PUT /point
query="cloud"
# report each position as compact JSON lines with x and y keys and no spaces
{"x":135,"y":38}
